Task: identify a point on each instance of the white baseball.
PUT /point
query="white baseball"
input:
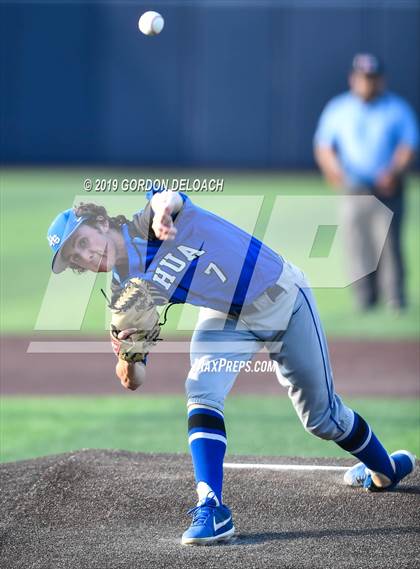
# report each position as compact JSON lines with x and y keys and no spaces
{"x":151,"y":23}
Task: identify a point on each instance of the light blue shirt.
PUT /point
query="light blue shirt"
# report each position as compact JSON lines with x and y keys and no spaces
{"x":366,"y":134}
{"x":210,"y":262}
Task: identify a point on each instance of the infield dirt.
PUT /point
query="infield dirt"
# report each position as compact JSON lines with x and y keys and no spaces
{"x":120,"y":510}
{"x":361,"y":368}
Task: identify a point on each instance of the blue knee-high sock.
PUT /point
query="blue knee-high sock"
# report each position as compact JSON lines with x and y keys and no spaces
{"x":363,"y":444}
{"x":207,"y":441}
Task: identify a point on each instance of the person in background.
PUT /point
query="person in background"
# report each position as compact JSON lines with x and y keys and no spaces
{"x":365,"y":141}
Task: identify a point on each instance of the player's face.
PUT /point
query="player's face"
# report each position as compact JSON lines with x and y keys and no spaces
{"x":367,"y":87}
{"x":91,"y":249}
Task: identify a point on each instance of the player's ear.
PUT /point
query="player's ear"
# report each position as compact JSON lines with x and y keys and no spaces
{"x":102,"y":224}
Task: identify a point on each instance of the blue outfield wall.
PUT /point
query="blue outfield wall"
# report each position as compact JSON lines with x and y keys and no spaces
{"x":227,"y":84}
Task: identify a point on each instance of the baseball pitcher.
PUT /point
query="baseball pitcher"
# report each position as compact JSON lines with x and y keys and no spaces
{"x":250,"y":297}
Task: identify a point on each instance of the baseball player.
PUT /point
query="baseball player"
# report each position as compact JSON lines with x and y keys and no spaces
{"x":250,"y":297}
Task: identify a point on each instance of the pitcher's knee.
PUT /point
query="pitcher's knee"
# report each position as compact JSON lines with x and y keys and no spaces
{"x":325,"y":429}
{"x":330,"y":424}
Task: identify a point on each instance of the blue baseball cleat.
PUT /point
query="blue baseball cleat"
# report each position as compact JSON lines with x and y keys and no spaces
{"x":211,"y":522}
{"x":360,"y":476}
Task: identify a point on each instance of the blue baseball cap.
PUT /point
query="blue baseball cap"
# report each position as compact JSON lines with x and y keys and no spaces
{"x":368,"y":64}
{"x":63,"y":227}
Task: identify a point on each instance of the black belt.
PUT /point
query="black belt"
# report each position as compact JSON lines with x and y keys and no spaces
{"x":273,"y":292}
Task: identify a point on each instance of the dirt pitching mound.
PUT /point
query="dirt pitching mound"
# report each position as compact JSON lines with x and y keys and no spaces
{"x":120,"y":510}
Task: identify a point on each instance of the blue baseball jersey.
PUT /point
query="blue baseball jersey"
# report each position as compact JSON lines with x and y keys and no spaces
{"x":210,"y":263}
{"x":366,"y":134}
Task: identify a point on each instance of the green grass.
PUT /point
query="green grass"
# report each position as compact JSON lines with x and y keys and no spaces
{"x":31,"y":198}
{"x":34,"y":427}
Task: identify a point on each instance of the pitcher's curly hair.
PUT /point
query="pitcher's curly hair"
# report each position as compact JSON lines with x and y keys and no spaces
{"x":95,"y":213}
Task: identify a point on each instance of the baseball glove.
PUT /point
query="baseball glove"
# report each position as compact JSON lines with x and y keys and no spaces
{"x":133,"y":308}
